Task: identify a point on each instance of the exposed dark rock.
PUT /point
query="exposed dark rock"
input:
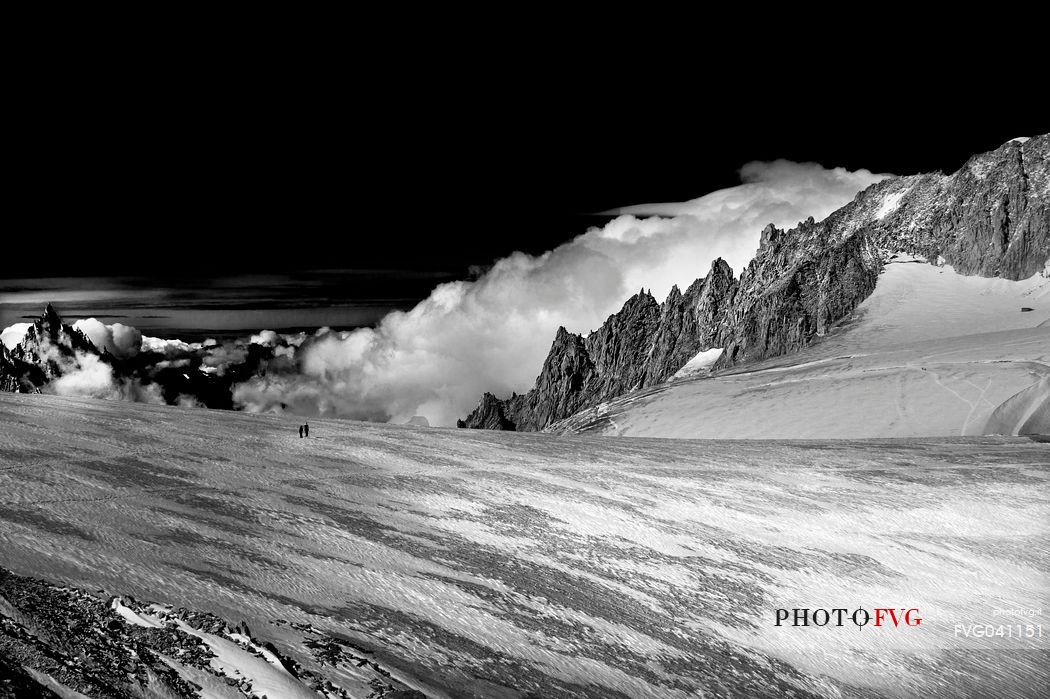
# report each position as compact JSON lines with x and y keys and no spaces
{"x":991,"y":218}
{"x":783,"y":302}
{"x":17,"y":376}
{"x":564,"y":384}
{"x":690,"y":323}
{"x":488,"y":415}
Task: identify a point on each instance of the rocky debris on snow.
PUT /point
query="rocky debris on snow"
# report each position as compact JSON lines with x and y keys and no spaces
{"x":991,"y":218}
{"x":54,"y":640}
{"x":60,"y":637}
{"x":333,"y":651}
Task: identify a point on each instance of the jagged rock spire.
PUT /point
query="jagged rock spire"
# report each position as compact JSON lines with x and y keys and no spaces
{"x":49,"y":322}
{"x":52,"y":346}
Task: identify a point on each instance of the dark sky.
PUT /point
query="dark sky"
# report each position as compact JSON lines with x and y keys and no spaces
{"x":181,"y":169}
{"x":185,"y":167}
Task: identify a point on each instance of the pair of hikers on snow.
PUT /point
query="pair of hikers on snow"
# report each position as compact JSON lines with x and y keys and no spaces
{"x":304,"y":430}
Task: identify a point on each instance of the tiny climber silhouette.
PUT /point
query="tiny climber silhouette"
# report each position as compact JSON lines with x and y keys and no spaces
{"x":300,"y":431}
{"x":306,"y":428}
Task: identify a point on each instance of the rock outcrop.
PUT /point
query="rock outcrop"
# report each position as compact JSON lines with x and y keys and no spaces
{"x":991,"y":218}
{"x":17,"y":376}
{"x":565,"y":385}
{"x":489,"y":415}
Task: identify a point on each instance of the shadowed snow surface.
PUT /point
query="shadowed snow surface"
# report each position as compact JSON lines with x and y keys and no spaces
{"x":502,"y":564}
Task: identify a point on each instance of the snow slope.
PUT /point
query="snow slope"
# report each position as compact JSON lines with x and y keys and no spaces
{"x":700,"y":364}
{"x":930,"y":352}
{"x":473,"y":563}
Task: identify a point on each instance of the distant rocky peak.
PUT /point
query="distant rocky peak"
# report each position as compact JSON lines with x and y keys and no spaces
{"x":53,"y":345}
{"x":47,"y":325}
{"x":50,"y":316}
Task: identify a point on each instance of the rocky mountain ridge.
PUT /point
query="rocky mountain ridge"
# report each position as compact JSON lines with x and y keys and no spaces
{"x":990,"y":218}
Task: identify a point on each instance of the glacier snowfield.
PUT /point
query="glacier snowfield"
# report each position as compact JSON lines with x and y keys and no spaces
{"x":511,"y":565}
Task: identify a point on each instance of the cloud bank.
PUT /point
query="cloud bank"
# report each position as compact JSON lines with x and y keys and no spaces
{"x":493,"y":333}
{"x":13,"y":334}
{"x":88,"y":376}
{"x":122,"y":341}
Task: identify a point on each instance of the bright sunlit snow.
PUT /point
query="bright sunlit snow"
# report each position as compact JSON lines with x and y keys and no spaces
{"x":890,"y":204}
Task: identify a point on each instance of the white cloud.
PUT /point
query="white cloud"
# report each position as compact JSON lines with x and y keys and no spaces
{"x":266,"y":338}
{"x":13,"y":334}
{"x":169,"y":348}
{"x":90,"y":377}
{"x":171,"y":364}
{"x":282,"y":344}
{"x":86,"y":375}
{"x":122,"y":341}
{"x":493,"y":334}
